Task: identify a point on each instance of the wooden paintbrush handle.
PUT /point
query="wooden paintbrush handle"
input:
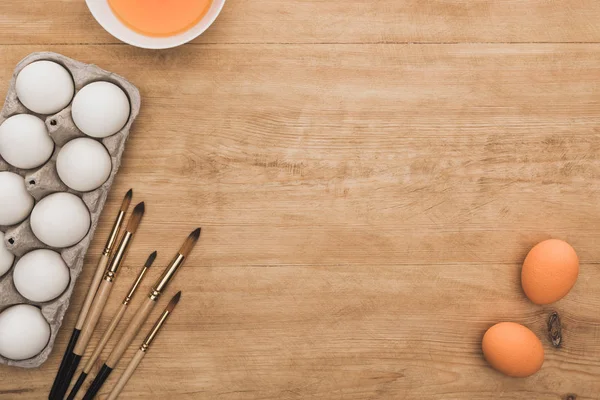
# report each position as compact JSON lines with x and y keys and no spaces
{"x":93,"y":316}
{"x":89,"y":298}
{"x":132,"y":330}
{"x":105,"y":338}
{"x":133,"y":364}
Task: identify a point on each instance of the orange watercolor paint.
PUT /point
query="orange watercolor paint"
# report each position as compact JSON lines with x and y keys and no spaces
{"x":160,"y":18}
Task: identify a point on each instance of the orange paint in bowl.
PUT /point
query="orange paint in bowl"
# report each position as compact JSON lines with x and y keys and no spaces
{"x":160,"y":18}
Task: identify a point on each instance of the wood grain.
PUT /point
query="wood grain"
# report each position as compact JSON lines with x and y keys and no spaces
{"x":319,"y":21}
{"x":366,"y":202}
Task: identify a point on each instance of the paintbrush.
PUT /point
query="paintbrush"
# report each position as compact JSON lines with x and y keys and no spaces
{"x":142,"y":314}
{"x":111,"y":328}
{"x":137,"y":358}
{"x":101,"y":297}
{"x":102,"y":264}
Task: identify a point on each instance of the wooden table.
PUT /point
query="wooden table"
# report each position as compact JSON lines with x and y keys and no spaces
{"x":369,"y":176}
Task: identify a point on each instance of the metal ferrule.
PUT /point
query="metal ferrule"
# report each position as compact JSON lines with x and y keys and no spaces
{"x":155,"y":329}
{"x":114,"y":232}
{"x":135,"y":286}
{"x":112,"y":269}
{"x":109,"y":276}
{"x":166,"y":277}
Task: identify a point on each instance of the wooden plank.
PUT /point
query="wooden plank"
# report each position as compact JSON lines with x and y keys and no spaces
{"x":349,"y":154}
{"x":365,"y":211}
{"x":347,"y":332}
{"x":317,"y":21}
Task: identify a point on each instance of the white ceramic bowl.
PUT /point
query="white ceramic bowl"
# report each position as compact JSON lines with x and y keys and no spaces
{"x":107,"y":19}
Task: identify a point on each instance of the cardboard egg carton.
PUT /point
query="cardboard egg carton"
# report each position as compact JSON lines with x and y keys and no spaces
{"x":40,"y":182}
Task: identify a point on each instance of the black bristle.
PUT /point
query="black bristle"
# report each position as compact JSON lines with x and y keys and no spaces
{"x":151,"y":259}
{"x":196,"y":233}
{"x":177,"y":297}
{"x":126,"y":200}
{"x":140,"y":208}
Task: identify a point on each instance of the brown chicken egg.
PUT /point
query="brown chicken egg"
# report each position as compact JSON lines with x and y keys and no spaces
{"x":549,"y":271}
{"x":513,"y":349}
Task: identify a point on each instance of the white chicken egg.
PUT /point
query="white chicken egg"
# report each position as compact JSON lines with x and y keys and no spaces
{"x":6,"y":257}
{"x":24,"y":141}
{"x":83,"y":164}
{"x":24,"y":332}
{"x":41,"y":275}
{"x":45,"y":87}
{"x":15,"y":202}
{"x":60,"y":220}
{"x":100,"y":109}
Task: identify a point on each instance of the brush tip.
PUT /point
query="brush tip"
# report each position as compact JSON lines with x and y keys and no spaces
{"x":174,"y":301}
{"x":190,"y":242}
{"x":140,"y":208}
{"x":136,"y":217}
{"x":196,"y":233}
{"x":126,"y":200}
{"x":151,"y":259}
